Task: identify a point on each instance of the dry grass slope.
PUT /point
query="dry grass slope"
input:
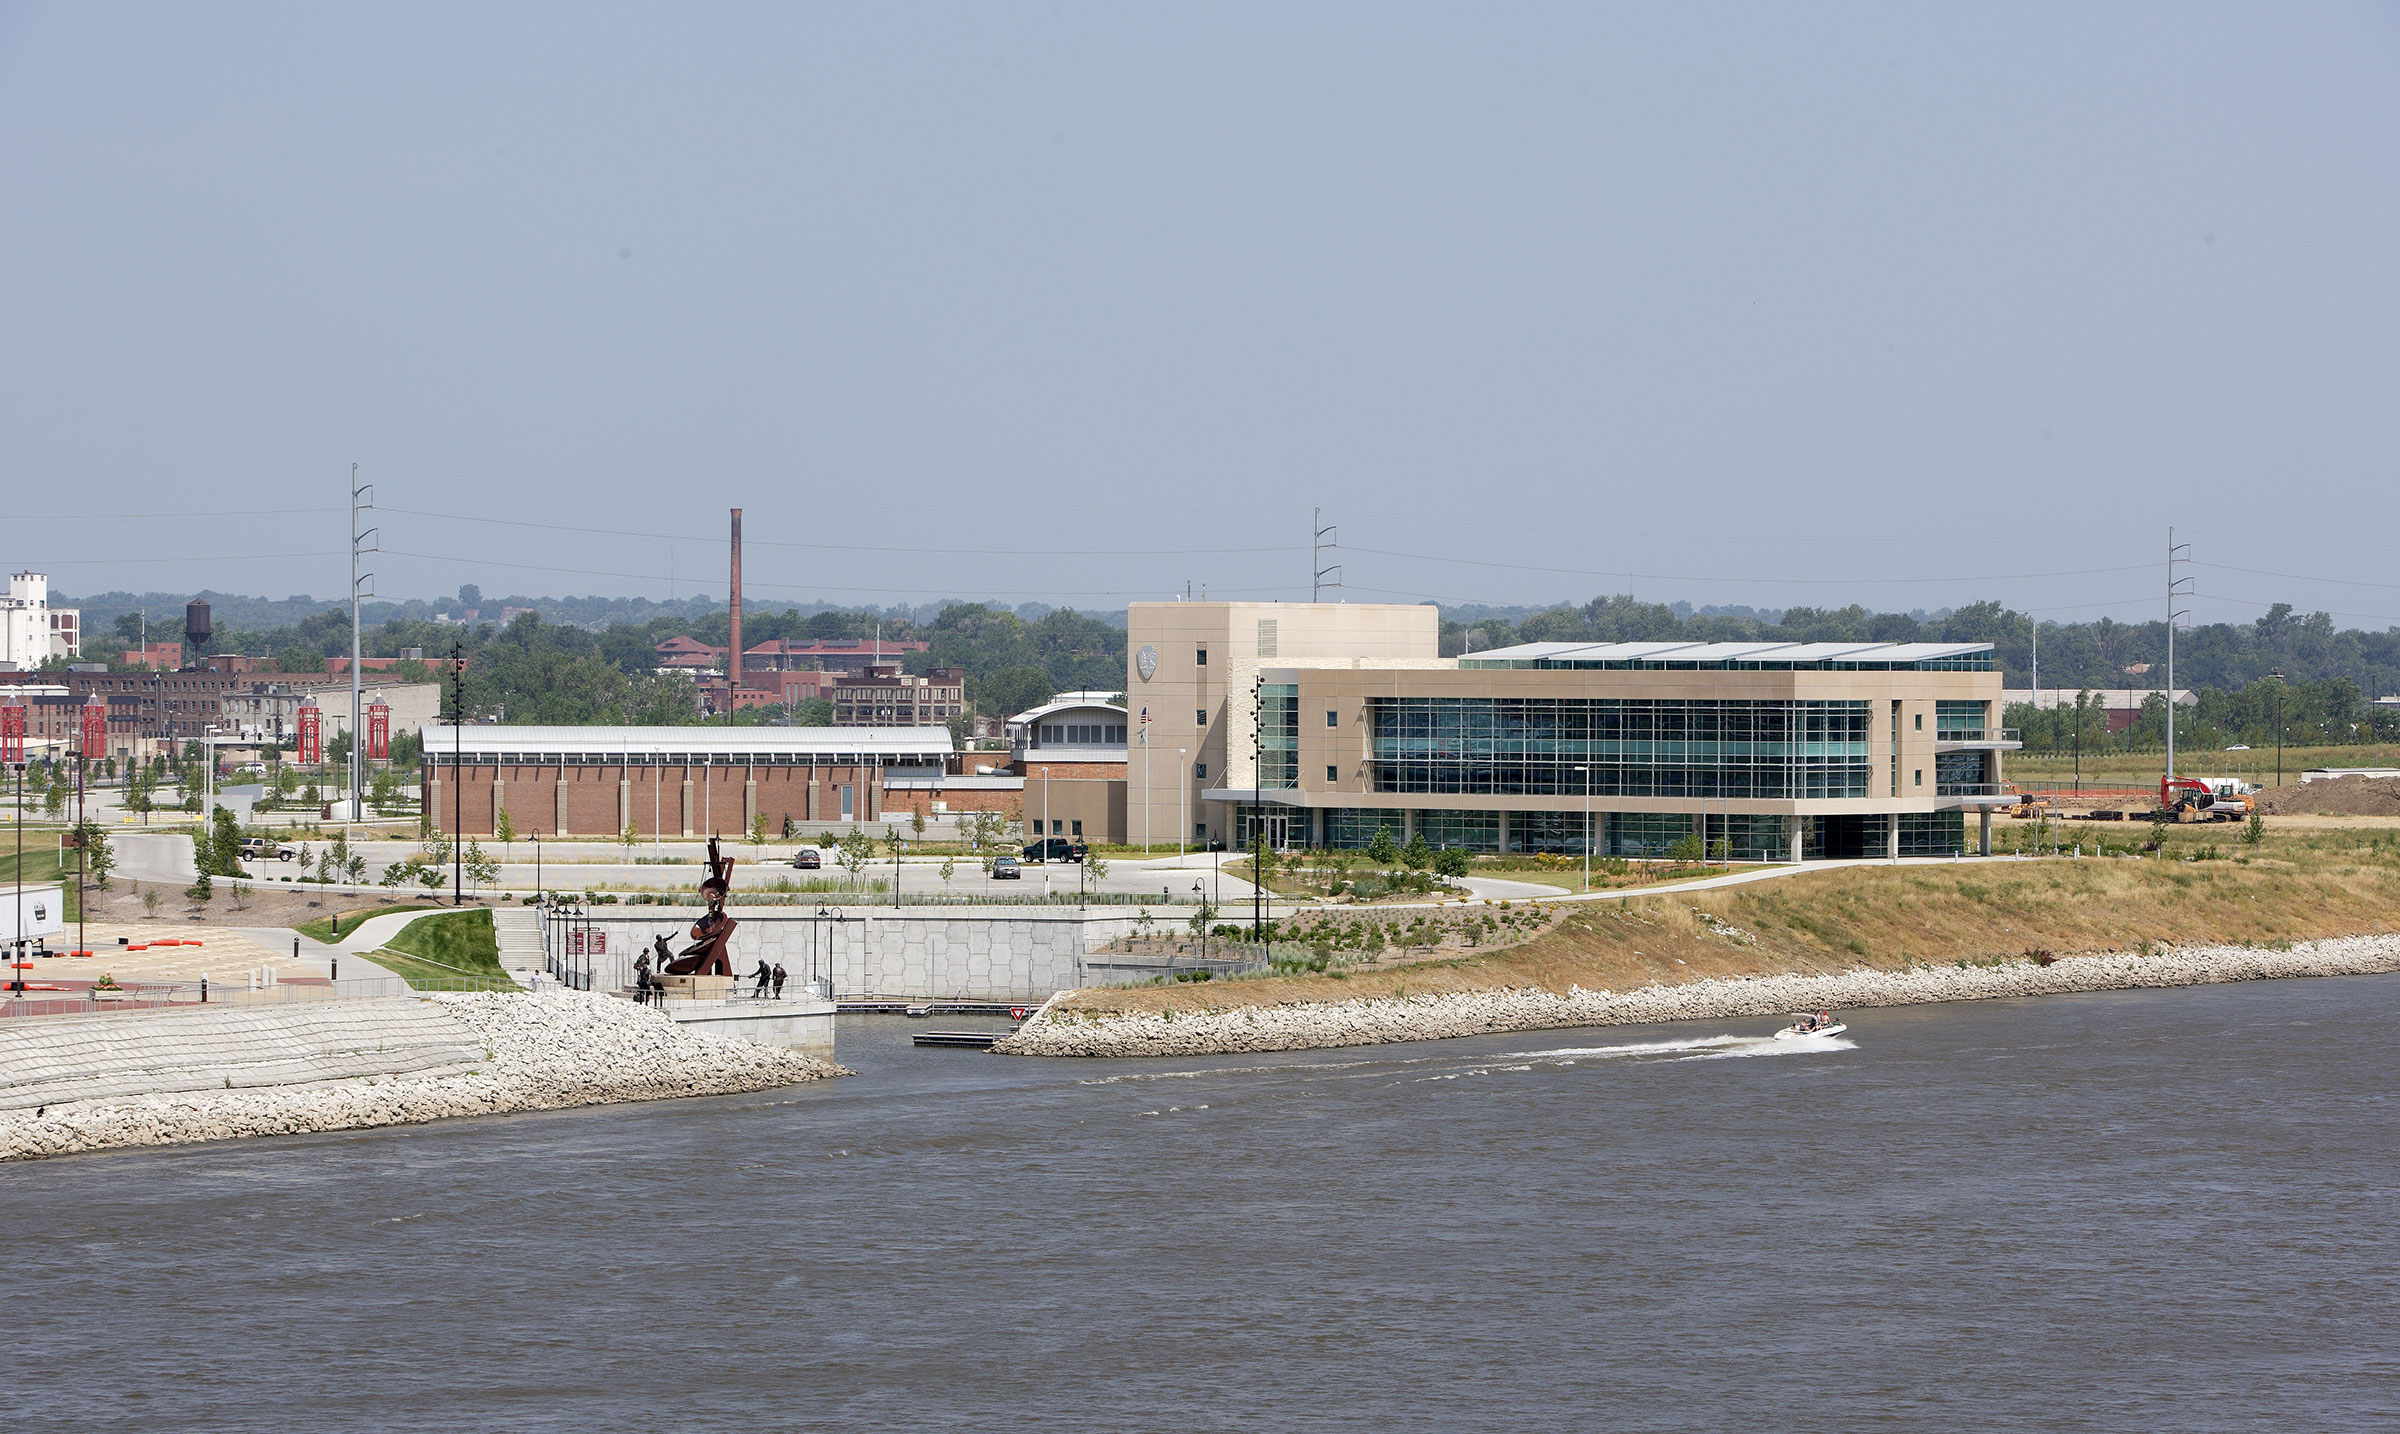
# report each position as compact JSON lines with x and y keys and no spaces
{"x":1838,"y":920}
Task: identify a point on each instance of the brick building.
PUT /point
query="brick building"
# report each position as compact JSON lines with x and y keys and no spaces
{"x":853,"y":655}
{"x":672,"y":781}
{"x":885,"y":696}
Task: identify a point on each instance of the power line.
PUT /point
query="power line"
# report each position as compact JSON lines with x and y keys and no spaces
{"x":849,"y":547}
{"x":1033,"y":593}
{"x":1756,"y":582}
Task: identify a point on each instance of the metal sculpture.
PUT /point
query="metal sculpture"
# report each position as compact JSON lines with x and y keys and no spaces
{"x":713,"y":932}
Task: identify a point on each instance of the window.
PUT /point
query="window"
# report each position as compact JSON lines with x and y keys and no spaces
{"x":1078,"y":829}
{"x":1200,"y":717}
{"x":1920,"y":776}
{"x":1332,"y":773}
{"x":1333,"y":719}
{"x":1920,"y":721}
{"x":1202,"y":660}
{"x":1200,"y":771}
{"x":1775,"y":750}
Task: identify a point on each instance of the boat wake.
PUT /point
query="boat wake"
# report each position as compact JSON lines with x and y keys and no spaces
{"x":1700,"y":1048}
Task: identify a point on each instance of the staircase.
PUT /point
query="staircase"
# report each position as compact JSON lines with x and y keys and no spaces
{"x":518,"y":929}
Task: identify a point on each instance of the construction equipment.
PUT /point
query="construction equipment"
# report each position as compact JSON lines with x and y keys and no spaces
{"x":2194,"y":799}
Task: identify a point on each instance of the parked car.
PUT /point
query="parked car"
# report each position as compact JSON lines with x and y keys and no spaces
{"x":1055,"y":849}
{"x":1005,"y":868}
{"x":259,"y":849}
{"x":808,"y":858}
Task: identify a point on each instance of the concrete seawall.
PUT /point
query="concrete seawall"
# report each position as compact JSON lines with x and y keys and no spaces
{"x":172,"y":1077}
{"x":1378,"y":1020}
{"x":998,"y":953}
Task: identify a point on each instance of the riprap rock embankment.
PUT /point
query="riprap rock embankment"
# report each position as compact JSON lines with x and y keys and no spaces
{"x":170,"y":1077}
{"x":1061,"y":1030}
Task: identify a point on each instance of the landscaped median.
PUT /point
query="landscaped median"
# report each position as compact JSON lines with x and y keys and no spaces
{"x":1843,"y":937}
{"x":215,"y":1073}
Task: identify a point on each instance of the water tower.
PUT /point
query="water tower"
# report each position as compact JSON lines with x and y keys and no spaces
{"x":196,"y":630}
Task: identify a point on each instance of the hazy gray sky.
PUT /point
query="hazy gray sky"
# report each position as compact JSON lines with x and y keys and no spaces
{"x":1903,"y":305}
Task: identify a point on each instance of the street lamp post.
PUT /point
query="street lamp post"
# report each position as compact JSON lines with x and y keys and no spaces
{"x":537,"y":868}
{"x":16,"y":946}
{"x":458,"y":790}
{"x":1587,"y":826}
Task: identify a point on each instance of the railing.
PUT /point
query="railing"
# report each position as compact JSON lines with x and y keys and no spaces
{"x":1974,"y":789}
{"x":1977,"y":734}
{"x":159,"y":996}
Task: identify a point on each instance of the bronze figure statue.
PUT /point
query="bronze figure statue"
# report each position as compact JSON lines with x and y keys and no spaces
{"x":713,"y":932}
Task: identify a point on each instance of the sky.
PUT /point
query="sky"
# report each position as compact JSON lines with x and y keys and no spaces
{"x":1902,"y":305}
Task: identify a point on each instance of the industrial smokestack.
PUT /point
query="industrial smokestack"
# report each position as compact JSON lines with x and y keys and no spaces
{"x":733,"y":661}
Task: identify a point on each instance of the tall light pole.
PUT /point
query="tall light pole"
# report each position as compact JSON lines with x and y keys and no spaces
{"x":360,"y":499}
{"x":16,"y":947}
{"x":2277,"y":674}
{"x":1183,"y":791}
{"x":1587,"y":826}
{"x":2174,"y":591}
{"x":458,"y":790}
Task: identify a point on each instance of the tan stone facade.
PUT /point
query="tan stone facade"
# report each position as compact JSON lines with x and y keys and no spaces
{"x":1929,"y":744}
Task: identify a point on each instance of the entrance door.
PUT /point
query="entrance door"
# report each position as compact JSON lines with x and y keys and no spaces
{"x":849,"y":802}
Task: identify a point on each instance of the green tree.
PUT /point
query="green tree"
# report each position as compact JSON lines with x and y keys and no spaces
{"x":1686,"y":849}
{"x":505,"y":831}
{"x":224,"y":842}
{"x":1381,"y":849}
{"x":758,"y":830}
{"x":1452,"y":862}
{"x":854,"y":853}
{"x":480,"y":869}
{"x":98,"y":861}
{"x":949,"y":870}
{"x":1418,"y":854}
{"x":629,"y":838}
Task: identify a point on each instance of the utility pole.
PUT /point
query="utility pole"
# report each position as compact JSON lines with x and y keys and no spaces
{"x":2175,"y":590}
{"x":360,"y":500}
{"x":1318,"y":546}
{"x":2277,"y":674}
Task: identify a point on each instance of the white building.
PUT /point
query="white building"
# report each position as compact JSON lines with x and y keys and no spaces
{"x":31,"y":631}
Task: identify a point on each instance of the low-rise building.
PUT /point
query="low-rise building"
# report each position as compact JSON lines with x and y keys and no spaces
{"x":885,"y":696}
{"x":1075,"y":734}
{"x":674,"y":781}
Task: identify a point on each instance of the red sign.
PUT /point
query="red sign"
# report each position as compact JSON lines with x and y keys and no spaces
{"x":95,"y":727}
{"x":576,"y":944}
{"x":379,"y":730}
{"x":12,"y":732}
{"x":312,"y":734}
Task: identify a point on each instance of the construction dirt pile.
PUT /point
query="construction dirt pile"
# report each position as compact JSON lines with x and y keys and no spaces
{"x":2339,"y":797}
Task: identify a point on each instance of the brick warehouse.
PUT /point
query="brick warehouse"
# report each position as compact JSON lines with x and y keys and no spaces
{"x":668,"y":781}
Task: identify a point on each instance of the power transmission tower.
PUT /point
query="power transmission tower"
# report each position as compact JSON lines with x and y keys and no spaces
{"x":1318,"y":548}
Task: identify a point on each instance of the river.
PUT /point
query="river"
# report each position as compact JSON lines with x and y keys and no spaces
{"x":2137,"y":1211}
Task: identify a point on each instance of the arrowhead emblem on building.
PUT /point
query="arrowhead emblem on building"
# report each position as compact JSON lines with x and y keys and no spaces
{"x":1146,"y":662}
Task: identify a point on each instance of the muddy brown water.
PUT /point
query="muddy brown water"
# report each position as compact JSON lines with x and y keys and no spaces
{"x":2131,"y":1211}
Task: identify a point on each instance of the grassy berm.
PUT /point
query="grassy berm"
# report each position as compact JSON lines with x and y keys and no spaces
{"x":455,"y":950}
{"x":2295,"y":888}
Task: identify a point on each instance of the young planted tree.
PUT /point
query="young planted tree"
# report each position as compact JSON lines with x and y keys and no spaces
{"x":854,"y":854}
{"x":629,"y":838}
{"x":1418,"y":854}
{"x":98,"y":860}
{"x":505,"y":831}
{"x":1381,"y":849}
{"x":758,"y":830}
{"x":481,"y":870}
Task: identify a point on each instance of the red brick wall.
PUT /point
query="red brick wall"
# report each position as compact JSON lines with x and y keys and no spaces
{"x":658,"y":798}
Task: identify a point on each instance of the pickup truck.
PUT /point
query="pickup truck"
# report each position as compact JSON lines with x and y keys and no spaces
{"x":260,"y":848}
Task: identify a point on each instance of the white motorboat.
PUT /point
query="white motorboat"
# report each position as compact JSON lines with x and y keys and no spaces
{"x":1811,"y":1023}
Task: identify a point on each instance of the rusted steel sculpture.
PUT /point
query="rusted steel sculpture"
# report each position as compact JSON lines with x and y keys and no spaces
{"x":713,"y":932}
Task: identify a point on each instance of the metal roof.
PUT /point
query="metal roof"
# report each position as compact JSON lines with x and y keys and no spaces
{"x":1069,"y":702}
{"x":767,"y":743}
{"x":1721,"y":652}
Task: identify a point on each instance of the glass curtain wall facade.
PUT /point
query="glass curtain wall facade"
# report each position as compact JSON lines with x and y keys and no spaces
{"x":1279,"y":736}
{"x":1493,"y":746}
{"x":1959,"y":721}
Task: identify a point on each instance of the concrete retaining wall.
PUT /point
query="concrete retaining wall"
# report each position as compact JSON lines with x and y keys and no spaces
{"x":978,"y":952}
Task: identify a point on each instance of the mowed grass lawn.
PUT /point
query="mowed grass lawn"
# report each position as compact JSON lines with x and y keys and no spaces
{"x":448,"y":950}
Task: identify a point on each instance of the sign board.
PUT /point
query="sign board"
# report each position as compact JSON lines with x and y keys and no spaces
{"x":42,"y":912}
{"x":12,"y":732}
{"x":379,"y":730}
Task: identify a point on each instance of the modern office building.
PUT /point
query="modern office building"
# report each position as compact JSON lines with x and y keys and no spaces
{"x":1321,"y":723}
